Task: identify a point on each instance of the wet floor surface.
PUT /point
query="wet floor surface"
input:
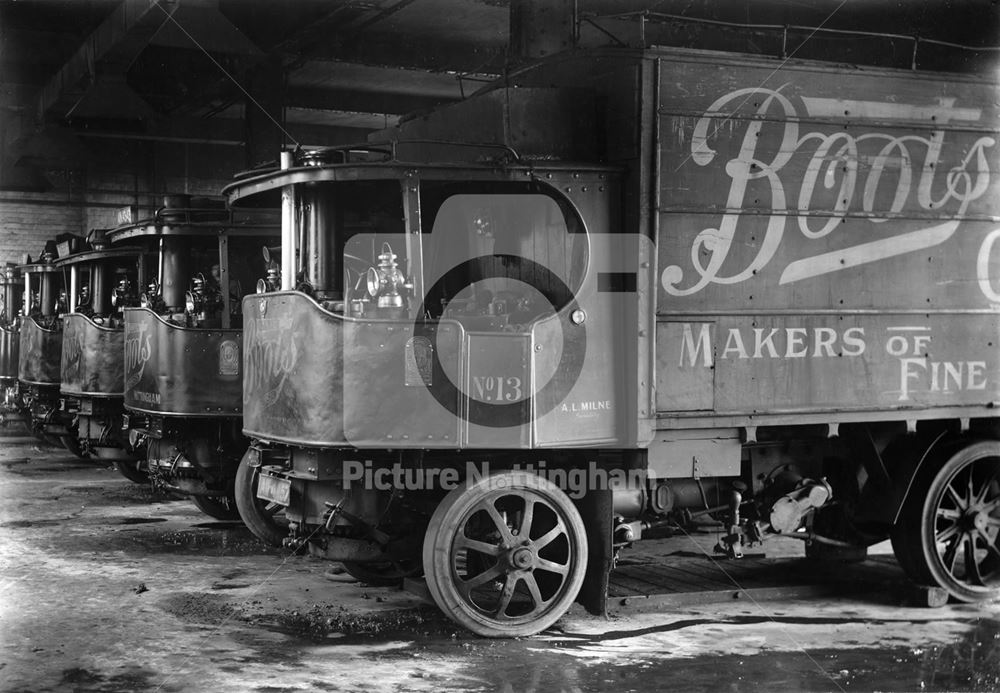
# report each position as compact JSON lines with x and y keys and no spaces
{"x":105,"y":586}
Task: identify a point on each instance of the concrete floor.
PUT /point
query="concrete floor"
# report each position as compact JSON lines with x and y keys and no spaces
{"x":104,"y":587}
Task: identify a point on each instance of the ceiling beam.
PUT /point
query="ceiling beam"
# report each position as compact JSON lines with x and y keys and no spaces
{"x":215,"y":131}
{"x":351,"y":18}
{"x":387,"y":50}
{"x":111,"y":47}
{"x":361,"y":101}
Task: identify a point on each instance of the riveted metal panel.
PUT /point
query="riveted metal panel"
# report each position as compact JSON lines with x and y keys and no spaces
{"x":680,"y":384}
{"x":380,"y":408}
{"x":498,"y":385}
{"x":837,"y":190}
{"x":762,"y":363}
{"x":827,"y":244}
{"x":181,"y":371}
{"x":93,"y":358}
{"x":695,"y":453}
{"x":293,"y":370}
{"x":40,"y":354}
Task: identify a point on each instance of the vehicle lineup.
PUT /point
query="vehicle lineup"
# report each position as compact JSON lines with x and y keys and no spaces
{"x":498,"y":343}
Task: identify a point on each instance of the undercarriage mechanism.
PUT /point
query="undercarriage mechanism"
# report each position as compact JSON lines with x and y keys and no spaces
{"x":11,"y":405}
{"x":375,"y":532}
{"x":783,"y":504}
{"x":52,"y":418}
{"x":503,"y":554}
{"x":198,"y":461}
{"x":99,"y":428}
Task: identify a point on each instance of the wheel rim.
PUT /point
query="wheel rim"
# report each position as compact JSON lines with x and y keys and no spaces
{"x":964,"y":516}
{"x":513,"y":558}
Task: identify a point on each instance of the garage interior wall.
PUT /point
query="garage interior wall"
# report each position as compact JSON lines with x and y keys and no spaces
{"x":69,"y":184}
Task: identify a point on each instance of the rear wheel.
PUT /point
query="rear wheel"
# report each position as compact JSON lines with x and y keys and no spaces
{"x":130,"y":470}
{"x":219,"y":507}
{"x":265,"y":519}
{"x":505,"y":556}
{"x":949,"y":529}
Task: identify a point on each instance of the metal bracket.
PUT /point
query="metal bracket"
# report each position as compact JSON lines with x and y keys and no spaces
{"x":730,"y":544}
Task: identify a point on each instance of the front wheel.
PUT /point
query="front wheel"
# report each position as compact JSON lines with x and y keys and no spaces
{"x":72,"y":444}
{"x":45,"y":437}
{"x":219,"y":507}
{"x":505,"y":556}
{"x":949,"y":530}
{"x":265,"y":520}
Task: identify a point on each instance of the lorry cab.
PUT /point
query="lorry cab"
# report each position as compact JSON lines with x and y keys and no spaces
{"x":102,"y":282}
{"x":12,"y":290}
{"x":182,"y":345}
{"x":40,"y":347}
{"x":480,"y":299}
{"x":438,"y":316}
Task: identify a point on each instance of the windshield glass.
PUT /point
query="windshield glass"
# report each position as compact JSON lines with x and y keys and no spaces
{"x":502,"y":258}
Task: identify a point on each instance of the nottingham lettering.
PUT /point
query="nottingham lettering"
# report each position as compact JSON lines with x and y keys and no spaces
{"x":146,"y":397}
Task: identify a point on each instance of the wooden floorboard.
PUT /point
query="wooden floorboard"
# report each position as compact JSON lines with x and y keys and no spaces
{"x":688,"y":579}
{"x":670,"y":581}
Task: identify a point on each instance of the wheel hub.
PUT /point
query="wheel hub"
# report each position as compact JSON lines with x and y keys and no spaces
{"x":975,"y":517}
{"x":980,"y":520}
{"x":521,"y":558}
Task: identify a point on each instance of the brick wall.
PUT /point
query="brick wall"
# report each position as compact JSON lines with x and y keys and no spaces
{"x":115,"y":175}
{"x":27,"y":220}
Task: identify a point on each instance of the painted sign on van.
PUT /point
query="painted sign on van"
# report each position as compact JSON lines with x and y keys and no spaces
{"x":802,"y":363}
{"x":785,"y":195}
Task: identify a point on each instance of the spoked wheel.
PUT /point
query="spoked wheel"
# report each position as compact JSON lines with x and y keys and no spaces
{"x":382,"y":573}
{"x":72,"y":444}
{"x":949,"y":531}
{"x":265,"y":519}
{"x":219,"y":507}
{"x":130,"y":470}
{"x":505,"y":556}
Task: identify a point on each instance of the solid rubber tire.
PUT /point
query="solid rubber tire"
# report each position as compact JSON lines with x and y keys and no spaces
{"x":448,"y":519}
{"x":250,"y":508}
{"x":216,"y":506}
{"x":913,"y":537}
{"x":129,"y":470}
